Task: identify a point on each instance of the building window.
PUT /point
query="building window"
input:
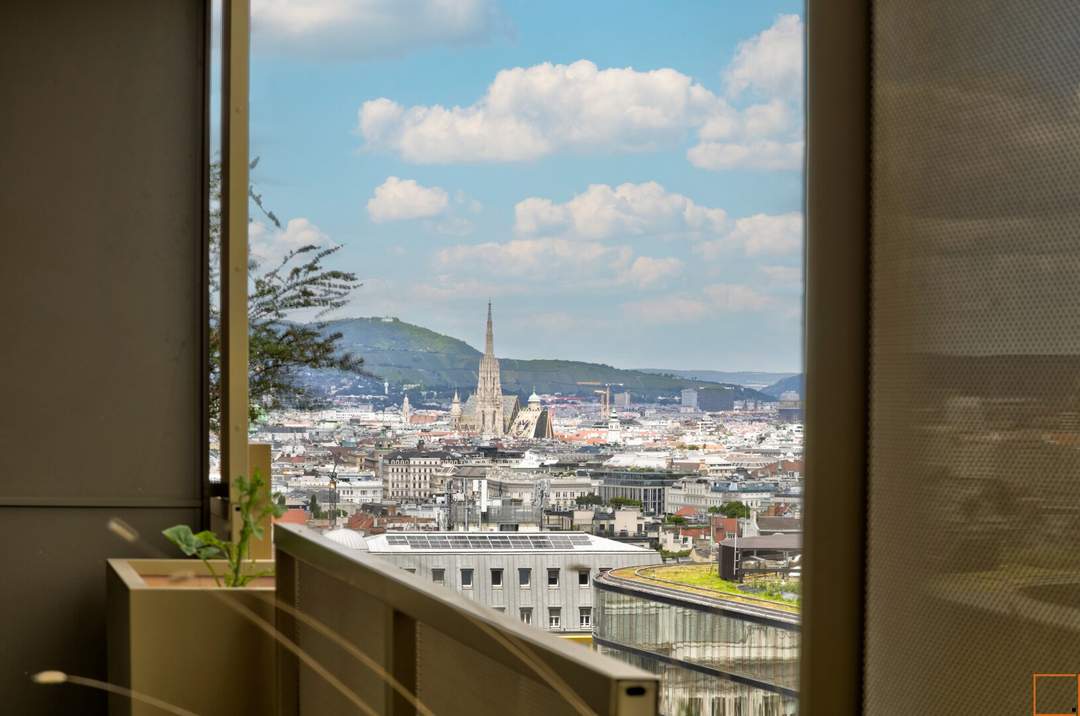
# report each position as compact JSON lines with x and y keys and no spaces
{"x":585,"y":617}
{"x":554,"y":618}
{"x":500,"y":609}
{"x":524,"y":577}
{"x":411,"y":570}
{"x":553,"y":577}
{"x":583,"y":577}
{"x":526,"y":615}
{"x":496,"y":578}
{"x":438,"y":576}
{"x":466,"y":578}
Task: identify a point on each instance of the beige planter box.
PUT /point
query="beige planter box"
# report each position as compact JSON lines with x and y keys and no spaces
{"x":177,"y":640}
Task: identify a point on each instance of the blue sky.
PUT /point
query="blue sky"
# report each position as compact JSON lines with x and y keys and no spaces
{"x":622,"y":179}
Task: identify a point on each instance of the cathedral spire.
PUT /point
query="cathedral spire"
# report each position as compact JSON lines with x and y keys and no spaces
{"x":489,"y":397}
{"x":489,"y":341}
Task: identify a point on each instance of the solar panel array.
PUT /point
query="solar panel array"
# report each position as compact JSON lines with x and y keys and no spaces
{"x":470,"y":541}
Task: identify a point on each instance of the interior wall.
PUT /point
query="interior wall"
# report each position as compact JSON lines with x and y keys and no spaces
{"x":103,"y":278}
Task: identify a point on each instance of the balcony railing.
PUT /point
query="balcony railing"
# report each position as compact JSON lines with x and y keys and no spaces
{"x":456,"y":656}
{"x":512,"y":514}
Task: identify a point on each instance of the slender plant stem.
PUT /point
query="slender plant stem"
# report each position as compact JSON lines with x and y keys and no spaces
{"x":133,"y":695}
{"x":217,"y":580}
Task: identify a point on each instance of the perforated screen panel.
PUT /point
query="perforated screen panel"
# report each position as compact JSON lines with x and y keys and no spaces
{"x":974,"y":478}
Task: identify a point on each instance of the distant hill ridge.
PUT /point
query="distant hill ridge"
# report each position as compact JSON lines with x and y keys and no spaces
{"x":748,"y":378}
{"x":406,"y":354}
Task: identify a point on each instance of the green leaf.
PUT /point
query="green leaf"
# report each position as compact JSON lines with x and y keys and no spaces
{"x":182,"y":537}
{"x":210,"y":547}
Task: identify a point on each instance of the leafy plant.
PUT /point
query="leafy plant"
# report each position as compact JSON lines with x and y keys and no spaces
{"x":277,"y":347}
{"x":205,"y":545}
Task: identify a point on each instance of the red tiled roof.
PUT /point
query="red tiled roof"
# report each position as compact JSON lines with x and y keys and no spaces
{"x":295,"y":516}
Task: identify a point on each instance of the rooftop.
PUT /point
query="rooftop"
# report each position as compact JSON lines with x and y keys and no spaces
{"x":701,"y":581}
{"x":506,"y":542}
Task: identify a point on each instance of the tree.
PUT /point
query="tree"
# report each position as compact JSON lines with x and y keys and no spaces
{"x":276,"y":346}
{"x":589,"y":499}
{"x":624,"y":502}
{"x":314,"y":508}
{"x":734,"y":509}
{"x":675,"y":519}
{"x":280,"y":498}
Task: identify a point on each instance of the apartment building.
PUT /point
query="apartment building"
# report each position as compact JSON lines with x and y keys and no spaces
{"x":543,"y":579}
{"x":409,"y":475}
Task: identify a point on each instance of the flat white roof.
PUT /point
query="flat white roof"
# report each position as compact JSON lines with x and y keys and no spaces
{"x":495,"y":542}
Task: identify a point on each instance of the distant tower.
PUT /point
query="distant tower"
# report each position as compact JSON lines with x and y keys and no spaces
{"x":406,"y":411}
{"x":489,"y":404}
{"x":455,"y":412}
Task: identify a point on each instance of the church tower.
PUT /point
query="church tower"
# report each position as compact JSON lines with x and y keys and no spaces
{"x":406,"y":410}
{"x":455,"y":412}
{"x":489,"y":402}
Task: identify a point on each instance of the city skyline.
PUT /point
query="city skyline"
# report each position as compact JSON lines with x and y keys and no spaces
{"x":630,"y":196}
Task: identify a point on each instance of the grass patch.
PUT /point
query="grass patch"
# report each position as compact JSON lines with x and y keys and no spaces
{"x":704,"y":577}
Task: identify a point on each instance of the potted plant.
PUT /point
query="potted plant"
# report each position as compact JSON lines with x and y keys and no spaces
{"x":180,"y":629}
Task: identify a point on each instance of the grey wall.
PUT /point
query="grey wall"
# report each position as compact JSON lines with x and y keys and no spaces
{"x":102,"y":277}
{"x":511,"y":597}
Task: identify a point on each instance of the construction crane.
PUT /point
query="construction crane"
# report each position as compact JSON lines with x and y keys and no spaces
{"x":605,"y":396}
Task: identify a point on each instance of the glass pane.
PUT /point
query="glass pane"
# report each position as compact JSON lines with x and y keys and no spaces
{"x":548,"y":314}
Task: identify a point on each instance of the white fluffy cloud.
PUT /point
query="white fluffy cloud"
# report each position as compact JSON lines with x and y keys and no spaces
{"x":769,"y":234}
{"x":268,"y":244}
{"x":765,"y":136}
{"x":685,"y":307}
{"x":558,"y":261}
{"x":400,"y":199}
{"x":771,"y":62}
{"x":775,"y":234}
{"x":536,"y":259}
{"x":362,"y":29}
{"x":647,"y":271}
{"x":602,"y":211}
{"x":529,"y":112}
{"x":763,"y":154}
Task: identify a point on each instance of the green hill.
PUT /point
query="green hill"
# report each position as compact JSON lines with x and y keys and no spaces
{"x":405,"y":354}
{"x":793,"y":383}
